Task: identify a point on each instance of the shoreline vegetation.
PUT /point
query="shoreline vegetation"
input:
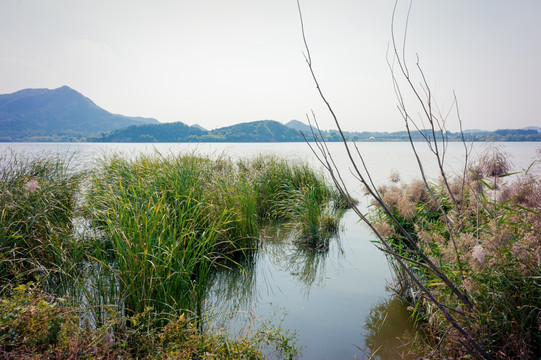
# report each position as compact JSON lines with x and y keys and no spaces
{"x":483,"y":232}
{"x":113,"y":261}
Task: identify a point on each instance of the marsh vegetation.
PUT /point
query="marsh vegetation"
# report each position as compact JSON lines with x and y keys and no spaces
{"x":94,"y":261}
{"x":482,"y":232}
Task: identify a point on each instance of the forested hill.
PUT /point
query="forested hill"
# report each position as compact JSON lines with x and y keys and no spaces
{"x":256,"y":131}
{"x":166,"y":132}
{"x":61,"y":114}
{"x":273,"y":131}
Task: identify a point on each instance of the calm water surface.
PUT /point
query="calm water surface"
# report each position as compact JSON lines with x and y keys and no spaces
{"x":327,"y":295}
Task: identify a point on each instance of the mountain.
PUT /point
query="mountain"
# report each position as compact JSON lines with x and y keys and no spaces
{"x":64,"y":114}
{"x":273,"y":131}
{"x":61,"y":114}
{"x":199,"y":127}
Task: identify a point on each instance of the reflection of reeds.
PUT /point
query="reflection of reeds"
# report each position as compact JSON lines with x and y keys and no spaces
{"x":232,"y":286}
{"x":308,"y":266}
{"x":235,"y":288}
{"x":304,"y":263}
{"x":389,"y":327}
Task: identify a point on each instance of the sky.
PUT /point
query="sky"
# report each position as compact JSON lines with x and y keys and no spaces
{"x":217,"y":63}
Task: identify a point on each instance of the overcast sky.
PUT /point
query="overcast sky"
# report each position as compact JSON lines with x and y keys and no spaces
{"x":218,"y":63}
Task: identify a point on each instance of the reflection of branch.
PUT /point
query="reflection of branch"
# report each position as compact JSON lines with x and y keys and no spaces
{"x":437,"y":135}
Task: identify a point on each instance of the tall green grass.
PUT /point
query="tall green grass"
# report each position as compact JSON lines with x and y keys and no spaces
{"x":171,"y":219}
{"x":164,"y":232}
{"x":297,"y":194}
{"x":37,"y":201}
{"x":138,"y":237}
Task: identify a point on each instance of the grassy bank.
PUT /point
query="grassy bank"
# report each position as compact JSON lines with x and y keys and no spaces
{"x":484,"y":233}
{"x":130,"y":244}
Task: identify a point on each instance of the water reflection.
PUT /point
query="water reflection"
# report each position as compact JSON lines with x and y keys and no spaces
{"x":232,"y":289}
{"x":388,"y":329}
{"x":305,"y":264}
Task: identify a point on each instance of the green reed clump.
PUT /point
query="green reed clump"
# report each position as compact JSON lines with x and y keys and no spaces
{"x":37,"y":201}
{"x":170,"y":219}
{"x":165,"y":223}
{"x":295,"y":193}
{"x":490,"y":247}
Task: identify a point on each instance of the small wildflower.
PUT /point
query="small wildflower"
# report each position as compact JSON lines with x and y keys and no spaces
{"x":31,"y":186}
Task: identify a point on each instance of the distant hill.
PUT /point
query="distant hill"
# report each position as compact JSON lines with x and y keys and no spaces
{"x":298,"y":125}
{"x":64,"y":114}
{"x":531,"y":133}
{"x":61,"y":114}
{"x":166,"y":132}
{"x":199,"y":127}
{"x":536,"y":128}
{"x":273,"y":131}
{"x":256,"y":131}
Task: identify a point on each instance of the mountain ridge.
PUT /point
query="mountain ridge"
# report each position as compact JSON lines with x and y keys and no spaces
{"x":63,"y":114}
{"x":60,"y":114}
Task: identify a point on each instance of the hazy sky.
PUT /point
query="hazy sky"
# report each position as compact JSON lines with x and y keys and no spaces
{"x":217,"y":63}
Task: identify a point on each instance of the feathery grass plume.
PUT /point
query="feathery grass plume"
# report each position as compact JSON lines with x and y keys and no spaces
{"x":500,"y":242}
{"x":494,"y":163}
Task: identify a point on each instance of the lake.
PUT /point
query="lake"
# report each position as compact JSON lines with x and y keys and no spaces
{"x":326,"y":295}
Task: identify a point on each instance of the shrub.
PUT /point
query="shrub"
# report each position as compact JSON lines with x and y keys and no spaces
{"x":34,"y":324}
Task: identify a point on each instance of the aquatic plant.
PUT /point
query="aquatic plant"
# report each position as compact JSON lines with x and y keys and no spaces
{"x":169,"y":220}
{"x":299,"y":195}
{"x":37,"y":200}
{"x":131,"y":247}
{"x":165,"y":225}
